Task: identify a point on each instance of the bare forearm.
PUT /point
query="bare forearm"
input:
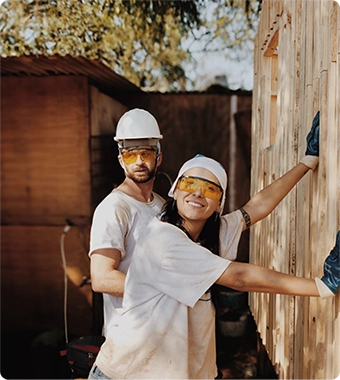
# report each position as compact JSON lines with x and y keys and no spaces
{"x":253,"y":278}
{"x":105,"y":276}
{"x":112,"y":283}
{"x":264,"y":202}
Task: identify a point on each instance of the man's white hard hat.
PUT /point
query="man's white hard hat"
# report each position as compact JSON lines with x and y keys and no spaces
{"x":137,"y":124}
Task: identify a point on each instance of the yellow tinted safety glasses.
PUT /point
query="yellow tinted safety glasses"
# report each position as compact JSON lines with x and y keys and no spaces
{"x":209,"y":189}
{"x":131,"y":156}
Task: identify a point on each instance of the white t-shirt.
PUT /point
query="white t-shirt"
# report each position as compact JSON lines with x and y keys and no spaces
{"x":117,"y":223}
{"x":167,"y":326}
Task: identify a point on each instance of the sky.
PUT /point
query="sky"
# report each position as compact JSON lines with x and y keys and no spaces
{"x":213,"y":66}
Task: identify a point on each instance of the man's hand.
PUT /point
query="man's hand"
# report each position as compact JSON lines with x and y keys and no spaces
{"x":331,"y":277}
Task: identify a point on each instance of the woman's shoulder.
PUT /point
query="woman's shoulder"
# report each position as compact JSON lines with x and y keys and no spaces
{"x":162,"y":232}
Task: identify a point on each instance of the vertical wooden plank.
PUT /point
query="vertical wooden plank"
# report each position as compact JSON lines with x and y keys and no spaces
{"x":288,"y":86}
{"x":333,"y":12}
{"x":323,"y":201}
{"x":298,"y":20}
{"x":298,"y":343}
{"x":332,"y":184}
{"x":336,"y":79}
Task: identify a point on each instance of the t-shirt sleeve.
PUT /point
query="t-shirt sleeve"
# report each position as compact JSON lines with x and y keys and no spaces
{"x":230,"y":233}
{"x":108,"y":228}
{"x":188,"y":270}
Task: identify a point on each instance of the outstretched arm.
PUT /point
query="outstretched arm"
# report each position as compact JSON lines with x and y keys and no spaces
{"x":264,"y":202}
{"x":254,"y":278}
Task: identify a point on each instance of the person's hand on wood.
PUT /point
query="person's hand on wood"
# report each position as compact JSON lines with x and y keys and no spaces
{"x":311,"y":158}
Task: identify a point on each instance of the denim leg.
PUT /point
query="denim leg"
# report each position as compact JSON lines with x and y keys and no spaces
{"x":97,"y":374}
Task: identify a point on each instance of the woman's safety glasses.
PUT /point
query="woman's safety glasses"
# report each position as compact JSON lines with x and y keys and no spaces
{"x":131,"y":156}
{"x":209,"y":189}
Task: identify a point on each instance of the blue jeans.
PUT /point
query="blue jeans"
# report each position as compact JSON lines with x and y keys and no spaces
{"x":97,"y":374}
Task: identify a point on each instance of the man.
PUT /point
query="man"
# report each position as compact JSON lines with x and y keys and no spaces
{"x":121,"y":217}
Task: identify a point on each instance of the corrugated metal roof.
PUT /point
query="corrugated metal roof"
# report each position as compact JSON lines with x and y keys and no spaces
{"x":97,"y":72}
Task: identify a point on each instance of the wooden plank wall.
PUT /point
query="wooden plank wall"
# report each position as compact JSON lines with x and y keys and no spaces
{"x":44,"y":133}
{"x":297,"y":68}
{"x":45,"y":178}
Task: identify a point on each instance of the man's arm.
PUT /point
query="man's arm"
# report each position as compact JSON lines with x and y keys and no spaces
{"x":105,"y":278}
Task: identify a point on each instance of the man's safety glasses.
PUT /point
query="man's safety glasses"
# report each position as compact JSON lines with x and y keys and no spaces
{"x":131,"y":156}
{"x":209,"y":189}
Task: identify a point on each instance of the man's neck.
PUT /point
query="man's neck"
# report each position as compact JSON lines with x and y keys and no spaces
{"x":140,"y":191}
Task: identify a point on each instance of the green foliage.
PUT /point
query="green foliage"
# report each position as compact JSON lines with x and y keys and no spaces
{"x":230,"y":26}
{"x":186,"y":12}
{"x":141,"y":40}
{"x":138,"y":39}
{"x":223,"y":47}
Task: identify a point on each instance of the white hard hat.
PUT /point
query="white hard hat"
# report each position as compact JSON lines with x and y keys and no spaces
{"x":137,"y":124}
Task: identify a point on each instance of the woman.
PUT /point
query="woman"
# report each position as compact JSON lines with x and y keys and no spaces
{"x":167,"y":329}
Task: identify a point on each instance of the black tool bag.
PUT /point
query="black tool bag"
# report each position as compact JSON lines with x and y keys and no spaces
{"x":81,"y":353}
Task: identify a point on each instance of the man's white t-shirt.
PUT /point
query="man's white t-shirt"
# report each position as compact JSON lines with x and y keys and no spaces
{"x":117,"y":223}
{"x":167,"y":325}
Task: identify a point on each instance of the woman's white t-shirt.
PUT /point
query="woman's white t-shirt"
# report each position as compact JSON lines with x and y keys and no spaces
{"x":167,"y":326}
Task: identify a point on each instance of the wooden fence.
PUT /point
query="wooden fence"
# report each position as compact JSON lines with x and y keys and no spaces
{"x":296,"y":71}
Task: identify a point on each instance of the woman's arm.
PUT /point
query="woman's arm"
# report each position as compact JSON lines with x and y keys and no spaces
{"x":264,"y":202}
{"x":252,"y":278}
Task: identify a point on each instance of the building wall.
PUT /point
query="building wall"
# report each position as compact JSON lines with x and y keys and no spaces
{"x":45,"y":179}
{"x":296,"y":71}
{"x":45,"y":129}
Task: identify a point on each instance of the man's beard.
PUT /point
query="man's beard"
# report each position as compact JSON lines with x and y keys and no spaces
{"x":144,"y":178}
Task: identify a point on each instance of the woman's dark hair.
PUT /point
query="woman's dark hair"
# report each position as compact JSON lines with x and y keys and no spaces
{"x":209,"y":237}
